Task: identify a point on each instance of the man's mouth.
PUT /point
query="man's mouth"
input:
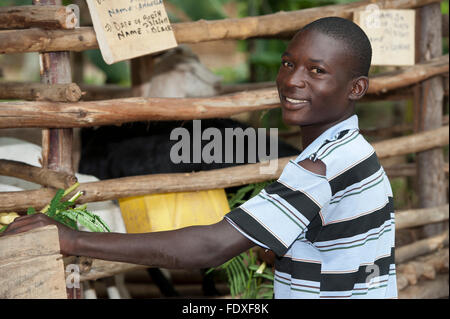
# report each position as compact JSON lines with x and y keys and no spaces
{"x":294,"y":104}
{"x":295,"y":101}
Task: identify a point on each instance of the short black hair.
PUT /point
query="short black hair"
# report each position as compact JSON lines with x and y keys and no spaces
{"x":355,"y":40}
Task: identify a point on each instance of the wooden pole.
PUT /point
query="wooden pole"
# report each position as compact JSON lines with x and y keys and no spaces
{"x":429,"y":105}
{"x":92,"y":113}
{"x":389,"y":81}
{"x":41,"y":176}
{"x":420,"y":247}
{"x":406,"y":169}
{"x":57,"y":143}
{"x":50,"y":17}
{"x":80,"y":39}
{"x":40,"y":92}
{"x":418,"y":217}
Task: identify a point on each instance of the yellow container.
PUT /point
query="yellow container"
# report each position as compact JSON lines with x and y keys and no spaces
{"x":159,"y":212}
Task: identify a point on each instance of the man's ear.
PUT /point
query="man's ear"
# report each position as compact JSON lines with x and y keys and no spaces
{"x":359,"y":88}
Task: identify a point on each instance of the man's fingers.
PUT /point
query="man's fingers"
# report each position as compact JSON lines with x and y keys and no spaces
{"x":22,"y":221}
{"x":17,"y":229}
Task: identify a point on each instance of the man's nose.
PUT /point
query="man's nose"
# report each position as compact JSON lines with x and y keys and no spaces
{"x":296,"y":78}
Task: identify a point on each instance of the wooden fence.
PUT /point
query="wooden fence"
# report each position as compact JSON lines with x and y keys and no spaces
{"x":54,"y":105}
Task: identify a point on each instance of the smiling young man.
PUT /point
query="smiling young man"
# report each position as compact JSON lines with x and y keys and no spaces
{"x":329,"y":217}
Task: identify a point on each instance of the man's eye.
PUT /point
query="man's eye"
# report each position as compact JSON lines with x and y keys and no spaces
{"x":317,"y":70}
{"x":286,"y":64}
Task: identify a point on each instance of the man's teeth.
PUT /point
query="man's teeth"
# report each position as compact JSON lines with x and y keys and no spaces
{"x":295,"y":101}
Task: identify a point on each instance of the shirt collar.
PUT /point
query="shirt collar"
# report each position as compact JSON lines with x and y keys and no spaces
{"x":331,"y":134}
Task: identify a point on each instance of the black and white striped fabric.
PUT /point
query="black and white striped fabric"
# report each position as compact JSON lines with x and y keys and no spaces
{"x":333,"y":235}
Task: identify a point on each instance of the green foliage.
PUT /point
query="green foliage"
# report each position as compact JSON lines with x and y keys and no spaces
{"x":8,"y":3}
{"x":245,"y":193}
{"x":67,"y":214}
{"x":247,"y":278}
{"x":117,"y":73}
{"x":196,"y":10}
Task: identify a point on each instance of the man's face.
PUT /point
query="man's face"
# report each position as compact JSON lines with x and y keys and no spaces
{"x":314,"y":80}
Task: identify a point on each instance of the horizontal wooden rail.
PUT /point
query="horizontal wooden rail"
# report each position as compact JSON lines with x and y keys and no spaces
{"x":41,"y":176}
{"x":420,"y":247}
{"x":413,"y":143}
{"x":112,"y":91}
{"x":398,"y":129}
{"x":385,"y":82}
{"x":406,"y":169}
{"x":221,"y":178}
{"x":118,"y":111}
{"x":40,"y":92}
{"x":419,"y":217}
{"x":107,"y":112}
{"x":38,"y":40}
{"x":48,"y":17}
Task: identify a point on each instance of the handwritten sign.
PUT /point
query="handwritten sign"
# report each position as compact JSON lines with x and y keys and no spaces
{"x":126,"y":29}
{"x":391,"y":34}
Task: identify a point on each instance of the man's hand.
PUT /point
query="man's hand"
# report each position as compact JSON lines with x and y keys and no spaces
{"x":22,"y":224}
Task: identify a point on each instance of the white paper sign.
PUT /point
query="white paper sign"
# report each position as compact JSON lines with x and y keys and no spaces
{"x":391,"y":34}
{"x":126,"y":29}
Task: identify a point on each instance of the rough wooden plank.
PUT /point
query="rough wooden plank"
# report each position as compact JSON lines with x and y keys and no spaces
{"x":40,"y":277}
{"x":37,"y":242}
{"x":31,"y":265}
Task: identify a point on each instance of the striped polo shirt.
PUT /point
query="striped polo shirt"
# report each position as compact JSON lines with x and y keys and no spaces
{"x":333,"y":235}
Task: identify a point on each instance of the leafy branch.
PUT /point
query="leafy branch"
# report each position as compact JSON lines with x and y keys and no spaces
{"x":67,"y":214}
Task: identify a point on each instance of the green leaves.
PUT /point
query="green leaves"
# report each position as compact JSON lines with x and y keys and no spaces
{"x":67,"y":214}
{"x":85,"y":218}
{"x":244,"y":280}
{"x":246,"y":277}
{"x":245,"y":193}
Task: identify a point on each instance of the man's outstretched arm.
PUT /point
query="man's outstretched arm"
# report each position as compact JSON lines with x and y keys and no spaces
{"x":189,"y":247}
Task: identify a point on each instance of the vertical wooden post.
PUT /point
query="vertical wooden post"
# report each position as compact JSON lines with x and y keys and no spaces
{"x":57,"y":143}
{"x":429,"y":108}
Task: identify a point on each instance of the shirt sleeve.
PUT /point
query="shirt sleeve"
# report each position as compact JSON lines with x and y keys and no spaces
{"x":282,"y":211}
